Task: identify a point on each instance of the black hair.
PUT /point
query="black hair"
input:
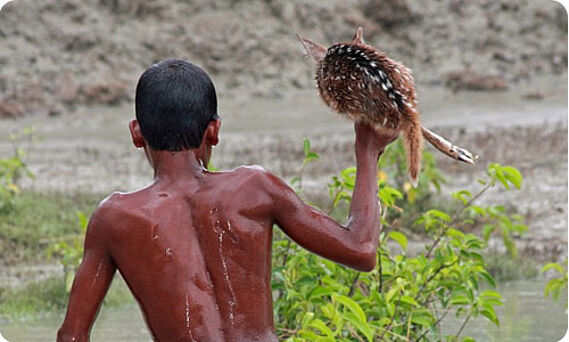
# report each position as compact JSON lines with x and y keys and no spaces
{"x":175,"y":101}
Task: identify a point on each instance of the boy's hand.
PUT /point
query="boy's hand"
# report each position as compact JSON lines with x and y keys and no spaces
{"x":374,"y":139}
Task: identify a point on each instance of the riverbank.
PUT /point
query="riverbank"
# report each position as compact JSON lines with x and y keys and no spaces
{"x":75,"y":155}
{"x":86,"y":159}
{"x":42,"y":217}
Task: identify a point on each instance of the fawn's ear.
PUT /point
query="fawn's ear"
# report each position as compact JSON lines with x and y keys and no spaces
{"x":359,"y":36}
{"x":316,"y":51}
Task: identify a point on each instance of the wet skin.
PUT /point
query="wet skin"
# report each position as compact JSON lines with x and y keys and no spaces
{"x":194,"y":246}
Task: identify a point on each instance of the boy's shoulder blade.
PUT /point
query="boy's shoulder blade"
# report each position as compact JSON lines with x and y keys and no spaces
{"x":250,"y":175}
{"x":120,"y":204}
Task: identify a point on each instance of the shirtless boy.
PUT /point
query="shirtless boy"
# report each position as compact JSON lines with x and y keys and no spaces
{"x":194,"y":246}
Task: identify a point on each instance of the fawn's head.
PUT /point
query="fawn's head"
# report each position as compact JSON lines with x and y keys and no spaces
{"x":318,"y":52}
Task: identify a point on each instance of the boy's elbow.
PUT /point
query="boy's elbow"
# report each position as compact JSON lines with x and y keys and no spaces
{"x":64,"y":335}
{"x":366,"y":265}
{"x":366,"y":258}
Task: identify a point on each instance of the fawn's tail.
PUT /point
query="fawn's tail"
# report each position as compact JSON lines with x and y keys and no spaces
{"x":413,"y":141}
{"x":447,"y":147}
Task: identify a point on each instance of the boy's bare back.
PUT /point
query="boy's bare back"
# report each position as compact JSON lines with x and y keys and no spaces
{"x":194,"y":253}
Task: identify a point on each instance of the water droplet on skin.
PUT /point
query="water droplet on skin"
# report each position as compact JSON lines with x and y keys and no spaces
{"x":97,"y":275}
{"x":221,"y":232}
{"x":168,"y":251}
{"x":187,"y":312}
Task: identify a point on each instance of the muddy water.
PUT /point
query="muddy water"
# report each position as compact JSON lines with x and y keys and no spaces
{"x":527,"y":316}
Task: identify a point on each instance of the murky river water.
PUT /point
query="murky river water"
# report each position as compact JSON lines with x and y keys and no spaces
{"x":526,"y":316}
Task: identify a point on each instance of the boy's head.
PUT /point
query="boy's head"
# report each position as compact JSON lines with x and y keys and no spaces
{"x":175,"y":102}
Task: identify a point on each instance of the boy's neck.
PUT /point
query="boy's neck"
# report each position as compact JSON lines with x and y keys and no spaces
{"x":169,"y":165}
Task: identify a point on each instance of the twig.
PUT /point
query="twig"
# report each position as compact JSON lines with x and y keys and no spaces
{"x":380,"y":273}
{"x":355,"y":334}
{"x":456,"y":216}
{"x":436,"y":323}
{"x":285,"y":256}
{"x":353,"y":286}
{"x":463,"y":324}
{"x":443,"y":266}
{"x":284,"y":332}
{"x":392,"y":318}
{"x":409,"y":325}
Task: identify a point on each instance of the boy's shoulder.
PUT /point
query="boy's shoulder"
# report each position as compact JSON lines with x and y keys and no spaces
{"x":120,"y":205}
{"x":254,"y":177}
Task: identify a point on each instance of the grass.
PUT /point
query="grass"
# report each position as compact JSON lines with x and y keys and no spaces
{"x":37,"y":220}
{"x":504,"y":268}
{"x":33,"y":223}
{"x":49,"y":295}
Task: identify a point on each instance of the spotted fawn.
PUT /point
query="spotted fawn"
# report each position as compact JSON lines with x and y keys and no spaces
{"x":361,"y":82}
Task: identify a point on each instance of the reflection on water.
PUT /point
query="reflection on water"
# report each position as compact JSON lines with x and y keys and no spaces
{"x":526,"y":316}
{"x":117,"y":325}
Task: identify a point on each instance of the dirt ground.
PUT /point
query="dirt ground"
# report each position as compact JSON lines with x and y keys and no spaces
{"x":59,"y":55}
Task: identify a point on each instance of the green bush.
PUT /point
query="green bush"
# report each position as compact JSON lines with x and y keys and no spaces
{"x":12,"y":169}
{"x":406,"y":296}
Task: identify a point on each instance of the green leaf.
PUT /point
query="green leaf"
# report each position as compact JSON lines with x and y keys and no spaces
{"x":490,"y":293}
{"x":320,"y":291}
{"x":459,"y":300}
{"x":423,"y":320}
{"x":409,"y":300}
{"x":513,"y":176}
{"x":552,"y":265}
{"x":455,"y":233}
{"x":308,"y":335}
{"x":306,"y":145}
{"x":489,"y":279}
{"x":489,"y":313}
{"x":363,"y":327}
{"x":398,"y":237}
{"x":321,"y":326}
{"x":487,"y":230}
{"x":462,"y":195}
{"x":444,"y":217}
{"x":354,"y":307}
{"x":294,"y":180}
{"x":312,"y":156}
{"x":325,"y":339}
{"x":308,"y":317}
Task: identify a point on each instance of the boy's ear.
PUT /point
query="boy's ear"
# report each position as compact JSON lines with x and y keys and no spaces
{"x":136,"y":134}
{"x":316,"y":51}
{"x":211,"y":135}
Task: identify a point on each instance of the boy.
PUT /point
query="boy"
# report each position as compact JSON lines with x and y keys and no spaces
{"x":194,"y":246}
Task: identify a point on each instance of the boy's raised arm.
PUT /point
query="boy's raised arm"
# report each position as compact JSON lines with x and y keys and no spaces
{"x":90,"y":285}
{"x":355,"y":243}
